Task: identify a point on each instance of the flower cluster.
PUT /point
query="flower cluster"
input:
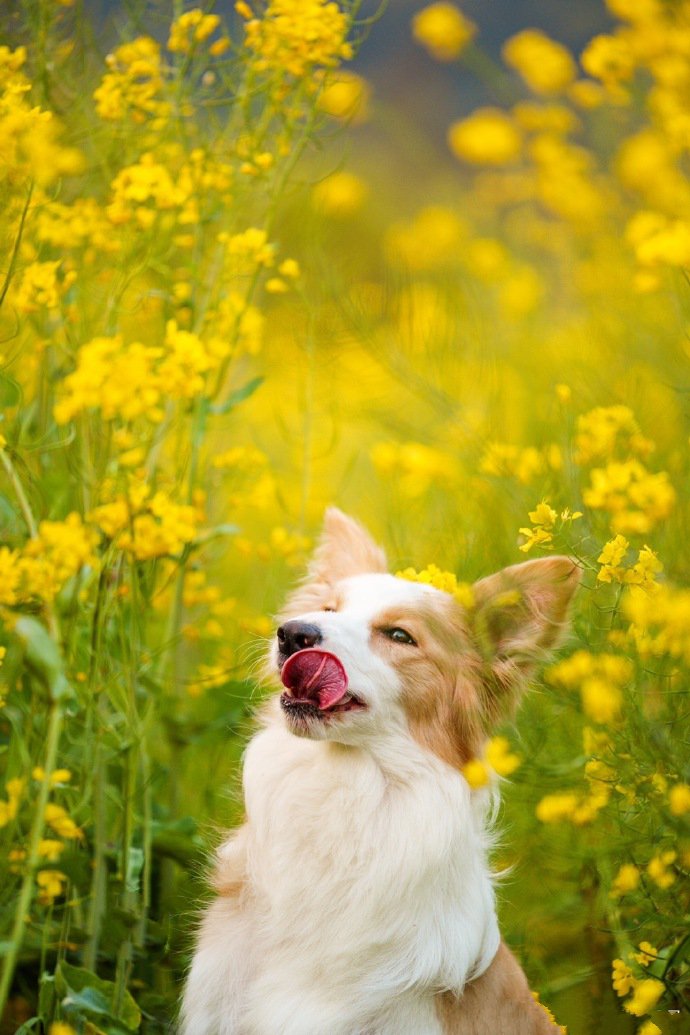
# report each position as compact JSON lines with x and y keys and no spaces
{"x":497,"y":758}
{"x":39,"y":570}
{"x":446,"y":581}
{"x":600,"y":679}
{"x":147,"y":524}
{"x":133,"y":85}
{"x":136,"y":380}
{"x":296,"y":36}
{"x":642,"y":573}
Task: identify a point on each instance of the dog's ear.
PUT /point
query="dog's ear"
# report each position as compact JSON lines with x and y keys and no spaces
{"x":345,"y":548}
{"x":520,"y":614}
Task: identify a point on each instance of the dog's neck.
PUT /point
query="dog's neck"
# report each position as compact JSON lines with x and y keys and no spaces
{"x":372,"y":855}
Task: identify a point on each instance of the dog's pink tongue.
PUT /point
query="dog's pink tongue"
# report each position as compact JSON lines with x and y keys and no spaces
{"x":315,"y":675}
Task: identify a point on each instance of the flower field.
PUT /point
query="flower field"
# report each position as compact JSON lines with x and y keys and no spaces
{"x":227,"y":302}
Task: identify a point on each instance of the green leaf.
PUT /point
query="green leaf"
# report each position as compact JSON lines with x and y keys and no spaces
{"x":86,"y":996}
{"x":27,"y":1026}
{"x":10,"y":392}
{"x":179,"y":840}
{"x":42,"y":654}
{"x":238,"y":396}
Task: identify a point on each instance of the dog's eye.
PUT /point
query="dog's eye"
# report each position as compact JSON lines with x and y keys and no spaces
{"x":328,"y":609}
{"x":399,"y":636}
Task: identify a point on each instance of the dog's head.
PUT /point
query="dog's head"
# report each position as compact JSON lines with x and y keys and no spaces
{"x":362,"y":654}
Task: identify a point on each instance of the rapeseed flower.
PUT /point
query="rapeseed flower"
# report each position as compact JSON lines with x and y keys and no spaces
{"x":659,"y":870}
{"x":626,"y":880}
{"x":622,"y":978}
{"x":340,"y":194}
{"x":191,"y":28}
{"x":497,"y":758}
{"x":51,"y":884}
{"x":345,"y":96}
{"x":132,"y":86}
{"x":296,"y":36}
{"x":546,"y":66}
{"x":486,"y":137}
{"x":645,"y":995}
{"x":444,"y":30}
{"x":679,"y":799}
{"x":446,"y":581}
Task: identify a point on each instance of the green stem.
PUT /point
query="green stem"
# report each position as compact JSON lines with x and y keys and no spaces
{"x":15,"y":249}
{"x":24,"y":900}
{"x":19,"y":493}
{"x":98,"y":883}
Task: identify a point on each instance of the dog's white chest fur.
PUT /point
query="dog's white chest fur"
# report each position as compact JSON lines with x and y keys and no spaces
{"x":369,"y":887}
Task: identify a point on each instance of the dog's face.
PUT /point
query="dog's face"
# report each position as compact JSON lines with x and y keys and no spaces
{"x":362,"y":654}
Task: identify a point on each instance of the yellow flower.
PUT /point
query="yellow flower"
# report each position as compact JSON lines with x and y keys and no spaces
{"x":345,"y":96}
{"x":38,"y":288}
{"x":476,"y":773}
{"x":486,"y":137}
{"x":555,"y":807}
{"x":296,"y":36}
{"x":646,"y":994}
{"x":679,"y":799}
{"x":496,"y":757}
{"x":190,"y":28}
{"x":614,"y":551}
{"x":50,"y":849}
{"x":543,"y":518}
{"x":57,"y":818}
{"x":443,"y":30}
{"x":59,"y":551}
{"x":60,"y":1028}
{"x":500,"y":757}
{"x":636,"y":499}
{"x":51,"y":884}
{"x":57,"y":775}
{"x":609,"y":59}
{"x":649,"y":1028}
{"x":602,"y":700}
{"x":647,"y":954}
{"x":543,"y":514}
{"x":609,"y":432}
{"x":660,"y":872}
{"x":626,"y":880}
{"x":546,"y":66}
{"x":622,"y":978}
{"x":10,"y":575}
{"x":660,"y":621}
{"x":340,"y":194}
{"x":431,"y":239}
{"x":132,"y":85}
{"x":446,"y":581}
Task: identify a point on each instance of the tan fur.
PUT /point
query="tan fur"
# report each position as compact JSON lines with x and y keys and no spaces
{"x":497,"y":1003}
{"x":439,"y":680}
{"x":344,"y":549}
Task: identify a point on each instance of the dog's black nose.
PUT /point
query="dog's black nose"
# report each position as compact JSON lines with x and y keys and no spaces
{"x":296,"y":635}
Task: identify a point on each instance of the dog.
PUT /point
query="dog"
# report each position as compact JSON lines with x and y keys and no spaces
{"x":357,"y":898}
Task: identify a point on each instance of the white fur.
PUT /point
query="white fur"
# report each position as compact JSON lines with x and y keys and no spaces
{"x":366,"y":888}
